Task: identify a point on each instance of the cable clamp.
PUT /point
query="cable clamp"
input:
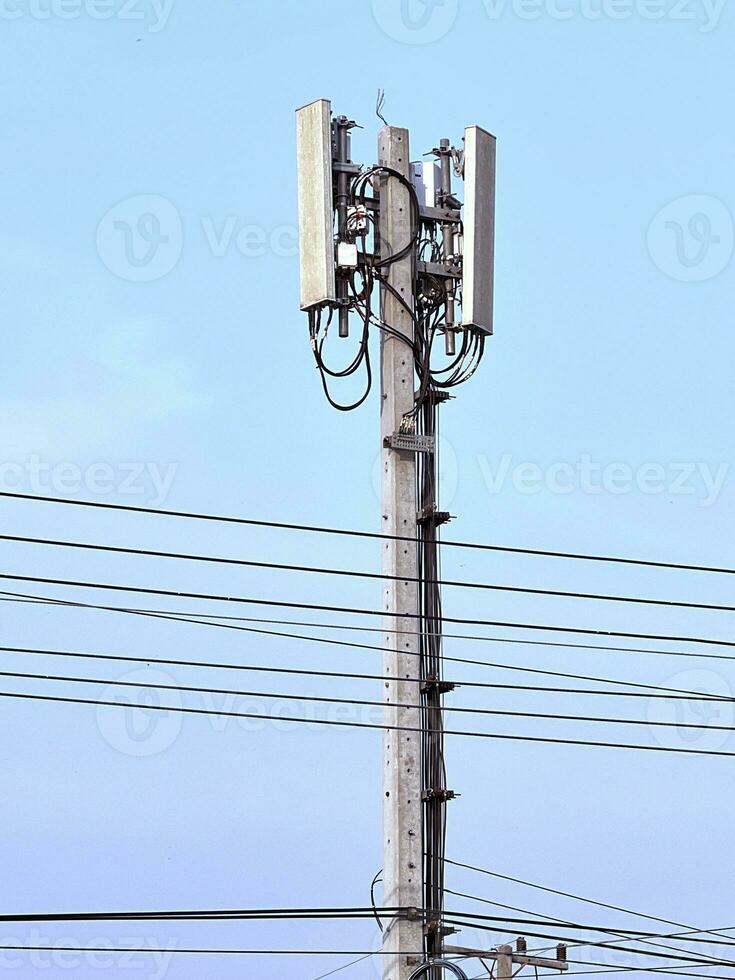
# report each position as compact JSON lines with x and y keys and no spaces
{"x":437,"y":793}
{"x":430,"y":515}
{"x":434,"y":925}
{"x":439,"y":395}
{"x":432,"y":685}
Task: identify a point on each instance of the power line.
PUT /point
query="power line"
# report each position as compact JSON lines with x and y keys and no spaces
{"x":580,"y":898}
{"x":627,"y":934}
{"x":647,"y":938}
{"x":197,"y":915}
{"x":702,"y":960}
{"x":690,"y":934}
{"x":325,"y":699}
{"x":346,"y":966}
{"x":380,"y":576}
{"x":623,"y":933}
{"x":545,"y":553}
{"x":177,"y":951}
{"x":352,"y":610}
{"x":664,"y":970}
{"x":257,"y":914}
{"x":671,"y":971}
{"x":512,"y":641}
{"x":478,"y":922}
{"x":364,"y":725}
{"x":373,"y":647}
{"x":308,"y":672}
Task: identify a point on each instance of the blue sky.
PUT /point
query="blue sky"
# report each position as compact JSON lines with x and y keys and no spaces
{"x":600,"y":422}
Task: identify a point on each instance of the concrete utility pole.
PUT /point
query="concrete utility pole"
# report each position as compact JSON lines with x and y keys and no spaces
{"x":431,"y":257}
{"x":402,"y":804}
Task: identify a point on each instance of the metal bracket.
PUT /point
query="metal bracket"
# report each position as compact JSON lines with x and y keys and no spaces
{"x":444,"y":270}
{"x":439,"y":395}
{"x":430,"y":515}
{"x":441,"y":214}
{"x":405,"y":443}
{"x":434,"y":925}
{"x":442,"y":687}
{"x":444,"y":795}
{"x":346,"y":168}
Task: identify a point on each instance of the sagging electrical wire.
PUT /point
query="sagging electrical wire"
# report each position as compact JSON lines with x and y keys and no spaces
{"x":359,"y":574}
{"x":22,"y":597}
{"x":661,"y":690}
{"x":367,"y":726}
{"x":352,"y":533}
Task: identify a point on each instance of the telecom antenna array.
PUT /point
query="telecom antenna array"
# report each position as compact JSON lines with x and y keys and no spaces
{"x":390,"y":246}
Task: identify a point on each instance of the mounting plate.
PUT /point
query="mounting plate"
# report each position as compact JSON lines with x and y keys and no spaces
{"x":403,"y":442}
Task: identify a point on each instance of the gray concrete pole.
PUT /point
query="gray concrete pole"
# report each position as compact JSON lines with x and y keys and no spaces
{"x":402,"y":843}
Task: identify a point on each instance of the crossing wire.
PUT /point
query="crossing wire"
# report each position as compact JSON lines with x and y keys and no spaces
{"x":350,"y":573}
{"x":512,"y":641}
{"x":365,"y":725}
{"x":482,"y":922}
{"x":341,"y":675}
{"x":588,"y":901}
{"x":325,"y":699}
{"x":462,"y":660}
{"x":648,"y":939}
{"x":352,"y":610}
